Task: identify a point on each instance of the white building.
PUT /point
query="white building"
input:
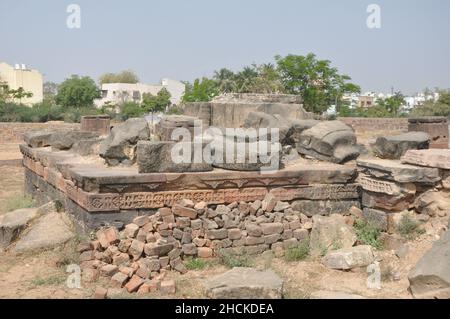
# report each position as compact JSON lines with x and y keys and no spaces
{"x":118,"y":93}
{"x":19,"y":76}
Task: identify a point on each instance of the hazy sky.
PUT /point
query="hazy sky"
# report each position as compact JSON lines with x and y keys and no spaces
{"x":185,"y":39}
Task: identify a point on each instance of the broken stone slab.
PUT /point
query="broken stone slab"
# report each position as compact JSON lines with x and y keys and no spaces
{"x":296,"y":129}
{"x":40,"y":138}
{"x":120,"y":146}
{"x":251,"y":159}
{"x":331,"y":141}
{"x":386,"y":202}
{"x":170,"y":157}
{"x":349,"y":258}
{"x":245,"y":283}
{"x":86,"y":147}
{"x":168,"y":123}
{"x":438,"y":158}
{"x":432,"y":202}
{"x":385,"y":187}
{"x":377,"y":218}
{"x":13,"y":223}
{"x":430,"y":277}
{"x":259,"y":120}
{"x":49,"y":231}
{"x":330,"y":232}
{"x":393,"y":170}
{"x":394,"y":147}
{"x":64,"y":140}
{"x":324,"y":207}
{"x":339,"y":295}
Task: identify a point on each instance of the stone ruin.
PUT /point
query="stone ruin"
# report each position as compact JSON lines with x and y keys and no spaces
{"x":149,"y":213}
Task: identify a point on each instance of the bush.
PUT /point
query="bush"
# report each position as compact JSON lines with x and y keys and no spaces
{"x":130,"y":110}
{"x":195,"y":263}
{"x":298,"y":253}
{"x":175,"y":110}
{"x":232,"y":260}
{"x":409,"y":228}
{"x":368,"y":234}
{"x":19,"y":201}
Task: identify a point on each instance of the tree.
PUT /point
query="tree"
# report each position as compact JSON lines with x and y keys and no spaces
{"x":267,"y":81}
{"x":156,"y":103}
{"x":225,"y":80}
{"x":203,"y":90}
{"x":441,"y":107}
{"x":319,"y":84}
{"x":50,"y":91}
{"x":126,"y":76}
{"x":77,"y":92}
{"x":392,"y":104}
{"x":11,"y":95}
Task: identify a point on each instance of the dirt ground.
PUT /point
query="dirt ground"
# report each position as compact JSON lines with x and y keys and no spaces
{"x":43,"y":275}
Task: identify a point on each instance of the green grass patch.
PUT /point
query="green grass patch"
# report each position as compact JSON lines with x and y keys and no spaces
{"x":232,"y":260}
{"x":368,"y":234}
{"x":409,"y":228}
{"x":195,"y":263}
{"x":19,"y":201}
{"x":55,"y":280}
{"x":297,"y":253}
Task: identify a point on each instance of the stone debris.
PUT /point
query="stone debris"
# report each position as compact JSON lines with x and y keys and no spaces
{"x":190,"y":230}
{"x":330,"y":233}
{"x":326,"y":294}
{"x":13,"y":223}
{"x":48,"y":231}
{"x":331,"y":141}
{"x":430,"y":278}
{"x":430,"y":158}
{"x":245,"y":283}
{"x":394,"y":147}
{"x":349,"y":258}
{"x":120,"y":145}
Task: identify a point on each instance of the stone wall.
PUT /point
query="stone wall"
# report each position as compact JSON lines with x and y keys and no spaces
{"x":361,"y":124}
{"x":12,"y":132}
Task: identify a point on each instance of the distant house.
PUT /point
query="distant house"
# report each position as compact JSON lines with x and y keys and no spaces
{"x":118,"y":93}
{"x":20,"y":76}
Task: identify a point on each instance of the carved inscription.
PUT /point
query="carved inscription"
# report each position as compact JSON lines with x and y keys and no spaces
{"x":317,"y":192}
{"x":377,"y":186}
{"x":114,"y":202}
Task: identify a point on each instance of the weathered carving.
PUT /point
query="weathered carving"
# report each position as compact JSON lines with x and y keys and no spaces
{"x":377,"y":186}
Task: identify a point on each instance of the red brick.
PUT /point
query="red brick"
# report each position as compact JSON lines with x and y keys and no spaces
{"x":184,"y":211}
{"x":168,"y":287}
{"x":134,"y":284}
{"x":107,"y":236}
{"x":100,"y":293}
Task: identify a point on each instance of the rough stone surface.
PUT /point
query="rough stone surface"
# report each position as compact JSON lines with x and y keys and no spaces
{"x":432,"y":158}
{"x":49,"y":231}
{"x":325,"y":294}
{"x":329,"y":232}
{"x":330,"y":141}
{"x":430,"y":278}
{"x":324,"y":207}
{"x":394,"y":147}
{"x":13,"y":223}
{"x":120,"y":145}
{"x":348,"y":258}
{"x":432,"y":202}
{"x":376,"y":217}
{"x":38,"y":138}
{"x":245,"y":283}
{"x":395,"y":171}
{"x":157,"y":157}
{"x":64,"y":140}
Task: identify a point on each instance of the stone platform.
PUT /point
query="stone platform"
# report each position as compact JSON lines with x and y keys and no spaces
{"x":99,"y":195}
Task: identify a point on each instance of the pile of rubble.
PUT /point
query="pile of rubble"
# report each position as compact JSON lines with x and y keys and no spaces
{"x":138,"y":256}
